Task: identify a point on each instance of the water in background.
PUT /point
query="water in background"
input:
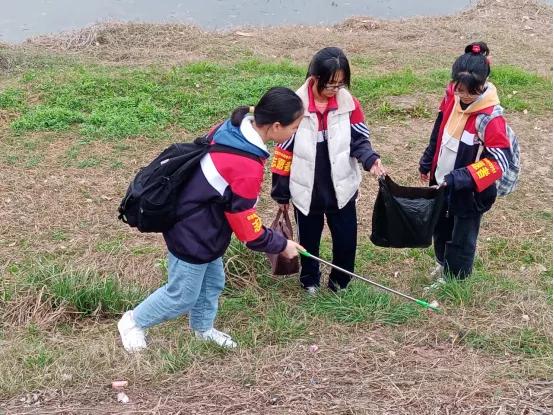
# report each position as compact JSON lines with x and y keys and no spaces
{"x":25,"y":18}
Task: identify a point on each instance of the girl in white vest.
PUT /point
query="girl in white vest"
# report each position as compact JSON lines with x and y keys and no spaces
{"x":317,"y":168}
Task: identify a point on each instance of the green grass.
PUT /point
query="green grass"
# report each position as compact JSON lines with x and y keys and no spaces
{"x":59,"y":235}
{"x":186,"y":350}
{"x":114,"y":103}
{"x":520,"y":90}
{"x":526,"y":251}
{"x":12,"y":98}
{"x":46,"y":117}
{"x":361,"y":303}
{"x":521,"y":341}
{"x":40,"y":358}
{"x":111,"y":246}
{"x":84,"y":290}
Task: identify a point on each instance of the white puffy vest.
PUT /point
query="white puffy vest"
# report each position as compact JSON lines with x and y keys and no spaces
{"x":345,"y":171}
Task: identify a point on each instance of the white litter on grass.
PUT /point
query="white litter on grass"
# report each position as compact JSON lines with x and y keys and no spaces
{"x":313,"y":348}
{"x":119,"y":384}
{"x":122,"y":397}
{"x":434,"y":304}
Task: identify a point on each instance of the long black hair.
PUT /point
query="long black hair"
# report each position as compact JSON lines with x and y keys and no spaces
{"x":326,"y":63}
{"x":472,"y":68}
{"x":278,"y":104}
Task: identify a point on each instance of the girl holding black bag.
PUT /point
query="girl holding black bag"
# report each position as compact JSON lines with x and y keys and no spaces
{"x":470,"y":149}
{"x":317,"y":168}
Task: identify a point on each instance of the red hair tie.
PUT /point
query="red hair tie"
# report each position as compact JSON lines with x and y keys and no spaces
{"x":476,"y":49}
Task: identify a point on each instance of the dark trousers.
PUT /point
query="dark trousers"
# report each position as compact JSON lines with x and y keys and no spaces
{"x":455,"y":242}
{"x":344,"y":228}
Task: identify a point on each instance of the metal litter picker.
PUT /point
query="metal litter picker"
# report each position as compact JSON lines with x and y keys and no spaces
{"x":415,"y":300}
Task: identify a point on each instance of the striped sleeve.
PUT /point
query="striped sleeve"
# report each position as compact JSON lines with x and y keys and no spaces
{"x":360,"y":146}
{"x":495,"y":158}
{"x":497,"y":142}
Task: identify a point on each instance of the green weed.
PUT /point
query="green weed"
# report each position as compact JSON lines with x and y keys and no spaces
{"x":361,"y":303}
{"x":457,"y":292}
{"x":59,"y":235}
{"x":526,"y":341}
{"x":12,"y":98}
{"x":40,"y":359}
{"x":44,"y":117}
{"x":112,"y":103}
{"x":86,"y":290}
{"x":520,"y":90}
{"x":112,"y":246}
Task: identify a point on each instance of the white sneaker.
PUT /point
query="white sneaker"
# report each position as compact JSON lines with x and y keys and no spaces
{"x":216,"y":336}
{"x":132,"y":336}
{"x":438,"y":272}
{"x":312,"y":290}
{"x":438,"y":282}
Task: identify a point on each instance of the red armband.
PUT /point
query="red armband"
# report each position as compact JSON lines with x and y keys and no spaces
{"x":282,"y":160}
{"x":484,"y":172}
{"x":246,"y":225}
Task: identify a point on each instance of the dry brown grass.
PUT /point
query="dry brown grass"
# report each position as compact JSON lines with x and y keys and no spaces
{"x":363,"y":373}
{"x":520,"y":30}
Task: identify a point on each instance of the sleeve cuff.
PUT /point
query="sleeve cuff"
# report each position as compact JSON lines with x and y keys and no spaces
{"x":423,"y":170}
{"x":370,"y":161}
{"x":449,"y":181}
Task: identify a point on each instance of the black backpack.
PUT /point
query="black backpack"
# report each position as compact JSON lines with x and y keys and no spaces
{"x":150,"y":204}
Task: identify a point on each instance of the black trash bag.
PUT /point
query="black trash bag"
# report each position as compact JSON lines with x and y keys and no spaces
{"x":405,"y":217}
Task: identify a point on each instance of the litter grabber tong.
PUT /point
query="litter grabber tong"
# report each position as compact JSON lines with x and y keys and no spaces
{"x":407,"y":297}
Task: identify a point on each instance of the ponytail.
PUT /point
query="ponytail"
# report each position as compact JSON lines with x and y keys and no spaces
{"x":238,"y":114}
{"x":278,"y":104}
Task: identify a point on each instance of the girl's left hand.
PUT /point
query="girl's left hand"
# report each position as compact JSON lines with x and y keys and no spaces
{"x":377,"y":169}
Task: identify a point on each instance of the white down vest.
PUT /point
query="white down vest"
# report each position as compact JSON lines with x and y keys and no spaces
{"x":345,"y":172}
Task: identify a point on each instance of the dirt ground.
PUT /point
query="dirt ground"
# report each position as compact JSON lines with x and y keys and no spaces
{"x":390,"y":370}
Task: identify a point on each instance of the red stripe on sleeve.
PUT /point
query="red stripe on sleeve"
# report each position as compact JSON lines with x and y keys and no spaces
{"x":357,"y":116}
{"x":243,"y":174}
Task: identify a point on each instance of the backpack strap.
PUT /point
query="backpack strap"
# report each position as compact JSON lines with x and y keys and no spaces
{"x":481,"y":122}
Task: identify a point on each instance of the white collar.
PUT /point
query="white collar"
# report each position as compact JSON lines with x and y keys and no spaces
{"x":248,"y":131}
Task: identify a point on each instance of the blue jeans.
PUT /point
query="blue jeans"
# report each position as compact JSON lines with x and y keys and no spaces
{"x":191,"y":288}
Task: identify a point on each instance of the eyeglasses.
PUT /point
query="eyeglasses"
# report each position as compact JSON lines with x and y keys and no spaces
{"x":465,"y":94}
{"x":335,"y":87}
